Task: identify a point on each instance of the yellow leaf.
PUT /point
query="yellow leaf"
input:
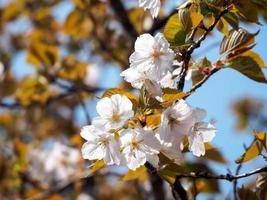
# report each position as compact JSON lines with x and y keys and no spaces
{"x":196,"y":17}
{"x":131,"y":174}
{"x":20,"y":147}
{"x":248,"y":65}
{"x":208,"y":20}
{"x":256,"y":57}
{"x":78,"y":24}
{"x":253,"y":151}
{"x":174,"y":31}
{"x":153,"y":121}
{"x":262,"y":137}
{"x":222,"y":26}
{"x":113,"y":91}
{"x":56,"y":197}
{"x":99,"y":164}
{"x":171,"y":95}
{"x":42,"y":54}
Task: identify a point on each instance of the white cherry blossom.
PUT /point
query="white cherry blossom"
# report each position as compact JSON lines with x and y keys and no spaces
{"x":200,"y":133}
{"x":55,"y":164}
{"x":100,"y":145}
{"x":139,"y":145}
{"x":152,"y":59}
{"x":152,"y":5}
{"x":170,"y":144}
{"x":114,"y":111}
{"x":178,"y":119}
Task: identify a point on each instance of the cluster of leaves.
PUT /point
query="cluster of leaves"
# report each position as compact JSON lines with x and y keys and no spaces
{"x":43,"y":105}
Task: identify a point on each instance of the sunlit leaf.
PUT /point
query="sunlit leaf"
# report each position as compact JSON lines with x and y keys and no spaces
{"x":153,"y":121}
{"x":78,"y":24}
{"x":174,"y":31}
{"x":42,"y":54}
{"x":113,"y":91}
{"x":222,"y":26}
{"x":97,"y":165}
{"x":248,"y":64}
{"x":171,"y":95}
{"x":262,"y":137}
{"x":252,"y":152}
{"x":236,"y":40}
{"x":134,"y":174}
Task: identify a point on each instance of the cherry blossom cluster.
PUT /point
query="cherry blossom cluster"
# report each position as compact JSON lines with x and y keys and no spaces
{"x":110,"y":138}
{"x":53,"y":165}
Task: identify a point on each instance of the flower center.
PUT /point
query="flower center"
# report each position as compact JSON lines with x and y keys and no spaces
{"x":134,"y":143}
{"x":173,"y":122}
{"x":156,"y":55}
{"x":103,"y":141}
{"x":115,"y":118}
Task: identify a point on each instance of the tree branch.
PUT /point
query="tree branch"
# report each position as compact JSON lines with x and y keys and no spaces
{"x":227,"y":177}
{"x":123,"y":17}
{"x":200,"y":83}
{"x":190,"y":50}
{"x":178,"y":191}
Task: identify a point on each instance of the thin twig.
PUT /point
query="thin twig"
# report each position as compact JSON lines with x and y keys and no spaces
{"x":178,"y":190}
{"x":123,"y":18}
{"x":190,"y":50}
{"x":227,"y":177}
{"x":200,"y":83}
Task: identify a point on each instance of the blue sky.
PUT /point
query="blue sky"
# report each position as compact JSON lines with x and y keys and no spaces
{"x":216,"y":95}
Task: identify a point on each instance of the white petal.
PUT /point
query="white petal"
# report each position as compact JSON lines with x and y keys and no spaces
{"x":144,"y":44}
{"x":93,"y":151}
{"x":100,"y":122}
{"x":207,"y":131}
{"x":113,"y":153}
{"x":196,"y":145}
{"x":153,"y":159}
{"x":89,"y":133}
{"x":104,"y":107}
{"x":126,"y":136}
{"x":134,"y":158}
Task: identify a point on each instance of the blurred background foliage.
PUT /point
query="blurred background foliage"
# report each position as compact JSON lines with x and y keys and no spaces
{"x":68,"y":58}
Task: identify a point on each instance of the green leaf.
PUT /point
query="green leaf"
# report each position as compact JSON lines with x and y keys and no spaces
{"x":249,"y":66}
{"x":252,"y":152}
{"x":199,"y":68}
{"x":213,"y":154}
{"x":236,"y":40}
{"x":231,"y":19}
{"x":174,"y":31}
{"x":246,"y":10}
